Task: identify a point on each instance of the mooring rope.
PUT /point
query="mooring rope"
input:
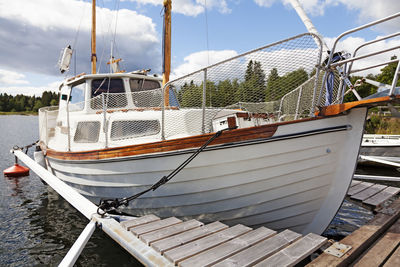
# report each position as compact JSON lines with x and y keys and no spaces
{"x":108,"y":205}
{"x":16,"y":147}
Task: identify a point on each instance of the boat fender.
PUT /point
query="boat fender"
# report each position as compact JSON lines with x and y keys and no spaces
{"x":39,"y":157}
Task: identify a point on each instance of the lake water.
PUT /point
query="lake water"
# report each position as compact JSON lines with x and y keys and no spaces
{"x":37,"y":227}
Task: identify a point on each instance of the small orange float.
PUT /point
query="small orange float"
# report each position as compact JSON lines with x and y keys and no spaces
{"x":16,"y":171}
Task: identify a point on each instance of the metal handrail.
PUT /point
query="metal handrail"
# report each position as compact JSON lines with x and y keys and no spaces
{"x":204,"y":70}
{"x":369,"y":43}
{"x":358,"y":29}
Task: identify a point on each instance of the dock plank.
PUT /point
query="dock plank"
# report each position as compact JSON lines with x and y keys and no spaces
{"x":295,"y":252}
{"x":361,"y":239}
{"x":394,"y":260}
{"x":358,"y":188}
{"x":139,"y":221}
{"x":369,"y":192}
{"x":223,"y":251}
{"x":183,"y":252}
{"x":188,"y":236}
{"x":354,"y":183}
{"x":382,"y":249}
{"x":152,"y":226}
{"x":260,"y":251}
{"x":382,"y":196}
{"x":169,"y":231}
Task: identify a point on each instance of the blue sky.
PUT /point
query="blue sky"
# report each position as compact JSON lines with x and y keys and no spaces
{"x":32,"y":33}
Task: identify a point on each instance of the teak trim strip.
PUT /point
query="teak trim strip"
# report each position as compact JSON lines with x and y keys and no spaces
{"x":167,"y":145}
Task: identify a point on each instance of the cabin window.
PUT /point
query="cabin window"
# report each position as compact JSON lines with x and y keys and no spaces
{"x":114,"y":91}
{"x":146,"y":93}
{"x":77,"y":96}
{"x":87,"y":132}
{"x":137,"y":128}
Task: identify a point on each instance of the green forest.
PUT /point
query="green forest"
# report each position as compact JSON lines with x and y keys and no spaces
{"x":256,"y":87}
{"x":259,"y":87}
{"x":29,"y":104}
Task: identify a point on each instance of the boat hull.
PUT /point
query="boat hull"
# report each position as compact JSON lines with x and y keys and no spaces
{"x":295,"y":179}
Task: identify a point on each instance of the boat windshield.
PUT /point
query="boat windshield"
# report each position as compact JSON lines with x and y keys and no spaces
{"x":146,"y":93}
{"x":114,"y":88}
{"x":77,"y":96}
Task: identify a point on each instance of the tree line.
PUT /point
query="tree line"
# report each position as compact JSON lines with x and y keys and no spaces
{"x":24,"y":103}
{"x":255,"y":87}
{"x":258,"y":87}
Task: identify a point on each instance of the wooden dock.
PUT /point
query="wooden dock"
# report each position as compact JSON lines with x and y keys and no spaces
{"x":192,"y":243}
{"x":370,"y":195}
{"x":374,"y":244}
{"x":173,"y":242}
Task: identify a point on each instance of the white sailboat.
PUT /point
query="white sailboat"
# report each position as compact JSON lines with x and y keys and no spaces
{"x":286,"y":160}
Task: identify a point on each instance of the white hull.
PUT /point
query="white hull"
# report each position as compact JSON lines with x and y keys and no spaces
{"x":296,"y":179}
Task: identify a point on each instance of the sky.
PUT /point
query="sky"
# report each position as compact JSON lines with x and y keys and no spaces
{"x":33,"y":33}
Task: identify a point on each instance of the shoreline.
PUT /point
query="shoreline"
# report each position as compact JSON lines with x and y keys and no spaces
{"x":23,"y":113}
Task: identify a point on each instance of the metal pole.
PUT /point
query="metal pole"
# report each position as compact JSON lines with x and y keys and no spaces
{"x":298,"y":103}
{"x":395,"y":78}
{"x":68,"y":126}
{"x":76,"y":249}
{"x":82,"y":204}
{"x":163,"y":113}
{"x":203,"y":128}
{"x":105,"y":120}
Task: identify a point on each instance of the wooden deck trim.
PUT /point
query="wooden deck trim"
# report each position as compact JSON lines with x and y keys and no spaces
{"x":232,"y":136}
{"x":339,"y":108}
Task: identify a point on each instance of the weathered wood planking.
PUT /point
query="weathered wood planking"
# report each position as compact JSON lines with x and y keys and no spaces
{"x":382,"y":196}
{"x":183,"y":252}
{"x":369,"y":192}
{"x":260,"y":251}
{"x":355,"y":182}
{"x":394,"y":260}
{"x":169,"y":231}
{"x":358,"y":188}
{"x":152,"y":226}
{"x":188,"y":236}
{"x":295,"y":252}
{"x":382,"y":249}
{"x":139,"y":221}
{"x":361,"y":239}
{"x":223,"y":251}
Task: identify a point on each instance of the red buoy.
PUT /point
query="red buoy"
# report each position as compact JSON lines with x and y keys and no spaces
{"x":16,"y":171}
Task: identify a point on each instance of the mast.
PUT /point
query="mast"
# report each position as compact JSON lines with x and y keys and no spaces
{"x":167,"y":47}
{"x":93,"y":56}
{"x":307,"y":22}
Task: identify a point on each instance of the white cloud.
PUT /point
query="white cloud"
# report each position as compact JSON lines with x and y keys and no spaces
{"x":29,"y":90}
{"x":351,"y":43}
{"x":190,"y":7}
{"x":11,"y":77}
{"x":32,"y":33}
{"x":364,"y":11}
{"x":198,"y":60}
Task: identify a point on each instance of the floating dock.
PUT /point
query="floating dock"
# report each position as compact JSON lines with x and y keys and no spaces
{"x":374,"y":244}
{"x":173,"y":242}
{"x":370,"y":195}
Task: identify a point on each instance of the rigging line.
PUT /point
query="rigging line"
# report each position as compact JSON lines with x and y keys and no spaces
{"x":208,"y":47}
{"x":104,"y":35}
{"x":115,"y":27}
{"x":79,"y":27}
